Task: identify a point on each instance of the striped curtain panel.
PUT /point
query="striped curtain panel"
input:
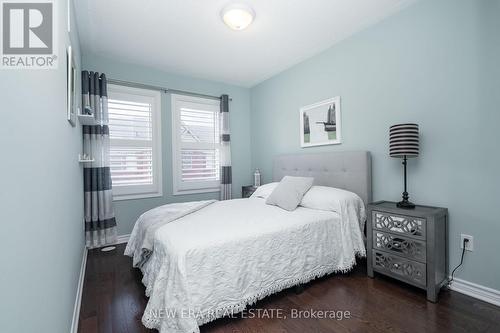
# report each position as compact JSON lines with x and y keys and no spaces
{"x":100,"y":223}
{"x":225,"y":151}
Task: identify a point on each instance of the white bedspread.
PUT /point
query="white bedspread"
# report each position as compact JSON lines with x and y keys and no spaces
{"x":141,"y":245}
{"x":217,"y":260}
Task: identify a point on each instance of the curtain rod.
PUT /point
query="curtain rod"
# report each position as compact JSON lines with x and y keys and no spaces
{"x":165,"y":90}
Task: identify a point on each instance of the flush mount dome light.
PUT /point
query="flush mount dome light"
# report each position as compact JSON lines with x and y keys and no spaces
{"x":237,"y":16}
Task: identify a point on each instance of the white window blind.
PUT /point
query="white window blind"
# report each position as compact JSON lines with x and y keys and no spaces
{"x":195,"y":138}
{"x":134,"y":129}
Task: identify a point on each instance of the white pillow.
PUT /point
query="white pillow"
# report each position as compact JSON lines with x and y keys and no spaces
{"x":329,"y":198}
{"x":348,"y":205}
{"x":289,"y":192}
{"x":264,"y":191}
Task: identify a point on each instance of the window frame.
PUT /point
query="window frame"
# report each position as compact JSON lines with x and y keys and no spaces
{"x":128,"y":192}
{"x":180,"y":188}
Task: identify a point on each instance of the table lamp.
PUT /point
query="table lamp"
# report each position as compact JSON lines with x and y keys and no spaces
{"x":403,"y":143}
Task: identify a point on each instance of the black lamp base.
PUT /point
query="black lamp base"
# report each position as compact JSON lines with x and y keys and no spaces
{"x":406,"y":205}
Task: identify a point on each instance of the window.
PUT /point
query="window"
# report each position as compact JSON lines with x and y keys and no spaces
{"x":135,"y":142}
{"x":195,"y":144}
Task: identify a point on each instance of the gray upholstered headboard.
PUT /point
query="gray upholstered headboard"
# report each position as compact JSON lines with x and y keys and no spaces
{"x":349,"y":170}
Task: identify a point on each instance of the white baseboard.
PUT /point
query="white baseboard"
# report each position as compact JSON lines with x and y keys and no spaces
{"x":476,"y":290}
{"x":119,"y":240}
{"x":76,"y":310}
{"x":122,"y":239}
{"x":78,"y":300}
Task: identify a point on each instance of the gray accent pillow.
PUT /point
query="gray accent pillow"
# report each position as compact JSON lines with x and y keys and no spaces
{"x":289,"y":192}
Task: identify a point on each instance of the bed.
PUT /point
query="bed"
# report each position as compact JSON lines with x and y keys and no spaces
{"x":213,"y":259}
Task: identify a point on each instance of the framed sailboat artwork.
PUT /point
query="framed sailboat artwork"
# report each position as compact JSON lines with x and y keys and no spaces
{"x":320,"y":123}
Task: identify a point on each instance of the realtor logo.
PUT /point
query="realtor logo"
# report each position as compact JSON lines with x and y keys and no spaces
{"x":28,"y":34}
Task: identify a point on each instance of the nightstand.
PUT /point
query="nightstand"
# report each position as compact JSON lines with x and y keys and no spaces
{"x":409,"y":245}
{"x":247,"y":191}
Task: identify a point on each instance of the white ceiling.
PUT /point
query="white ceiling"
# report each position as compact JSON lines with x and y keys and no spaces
{"x":188,"y":36}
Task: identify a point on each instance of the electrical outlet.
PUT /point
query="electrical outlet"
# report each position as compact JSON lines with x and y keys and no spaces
{"x":469,"y":246}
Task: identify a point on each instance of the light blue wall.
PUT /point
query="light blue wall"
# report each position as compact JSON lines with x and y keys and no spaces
{"x":127,"y":211}
{"x":436,"y":64}
{"x":41,"y":200}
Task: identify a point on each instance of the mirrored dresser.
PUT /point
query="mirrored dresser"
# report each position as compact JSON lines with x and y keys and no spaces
{"x":408,"y":244}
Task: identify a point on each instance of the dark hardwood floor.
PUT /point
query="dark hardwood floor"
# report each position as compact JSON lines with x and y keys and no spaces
{"x":113,"y":301}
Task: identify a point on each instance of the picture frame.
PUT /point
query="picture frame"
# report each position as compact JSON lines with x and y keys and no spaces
{"x":71,"y":98}
{"x":320,"y":123}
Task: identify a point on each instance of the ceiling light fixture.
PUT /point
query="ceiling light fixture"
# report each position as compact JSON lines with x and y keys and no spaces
{"x":237,"y":16}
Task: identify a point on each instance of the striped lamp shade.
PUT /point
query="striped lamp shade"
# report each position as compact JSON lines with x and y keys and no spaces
{"x":403,"y":140}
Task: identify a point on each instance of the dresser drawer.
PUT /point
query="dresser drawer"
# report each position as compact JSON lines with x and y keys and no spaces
{"x":406,"y":247}
{"x":401,"y":268}
{"x":404,"y":225}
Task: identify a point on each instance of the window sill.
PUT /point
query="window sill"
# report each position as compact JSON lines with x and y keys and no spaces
{"x":198,"y":191}
{"x":136,"y":196}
